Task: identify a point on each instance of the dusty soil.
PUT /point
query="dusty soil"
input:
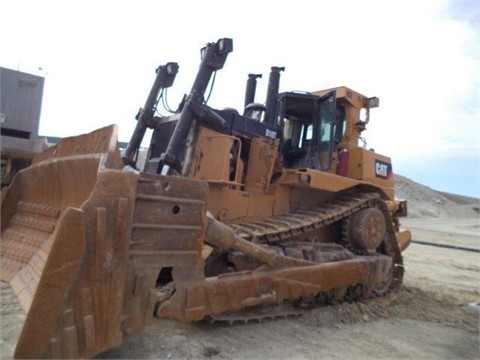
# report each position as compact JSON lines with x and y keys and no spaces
{"x":430,"y":318}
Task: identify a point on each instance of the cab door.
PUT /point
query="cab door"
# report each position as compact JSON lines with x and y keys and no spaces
{"x":308,"y":123}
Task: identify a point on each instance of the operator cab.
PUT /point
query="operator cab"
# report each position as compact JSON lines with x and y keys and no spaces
{"x":308,"y":123}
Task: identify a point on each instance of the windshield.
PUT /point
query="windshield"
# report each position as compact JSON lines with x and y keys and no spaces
{"x":307,"y":130}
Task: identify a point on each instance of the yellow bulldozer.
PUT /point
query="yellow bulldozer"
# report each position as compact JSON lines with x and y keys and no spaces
{"x":234,"y":216}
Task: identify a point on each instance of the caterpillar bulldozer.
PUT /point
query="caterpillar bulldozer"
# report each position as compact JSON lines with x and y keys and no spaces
{"x":234,"y":216}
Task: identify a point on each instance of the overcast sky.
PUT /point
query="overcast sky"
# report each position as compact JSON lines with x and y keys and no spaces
{"x":421,"y":58}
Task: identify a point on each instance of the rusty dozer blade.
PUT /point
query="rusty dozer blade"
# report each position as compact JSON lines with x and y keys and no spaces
{"x":81,"y":239}
{"x":84,"y":243}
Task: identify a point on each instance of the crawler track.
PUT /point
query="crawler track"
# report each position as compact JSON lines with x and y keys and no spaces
{"x":281,"y":229}
{"x":284,"y":227}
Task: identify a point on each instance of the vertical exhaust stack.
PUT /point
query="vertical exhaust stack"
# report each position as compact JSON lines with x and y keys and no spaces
{"x":272,"y":92}
{"x":251,"y":88}
{"x":251,"y":109}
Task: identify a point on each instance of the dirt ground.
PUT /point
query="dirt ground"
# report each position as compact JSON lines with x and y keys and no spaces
{"x":432,"y":317}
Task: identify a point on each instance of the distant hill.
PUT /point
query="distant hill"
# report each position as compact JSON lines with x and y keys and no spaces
{"x":424,"y":202}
